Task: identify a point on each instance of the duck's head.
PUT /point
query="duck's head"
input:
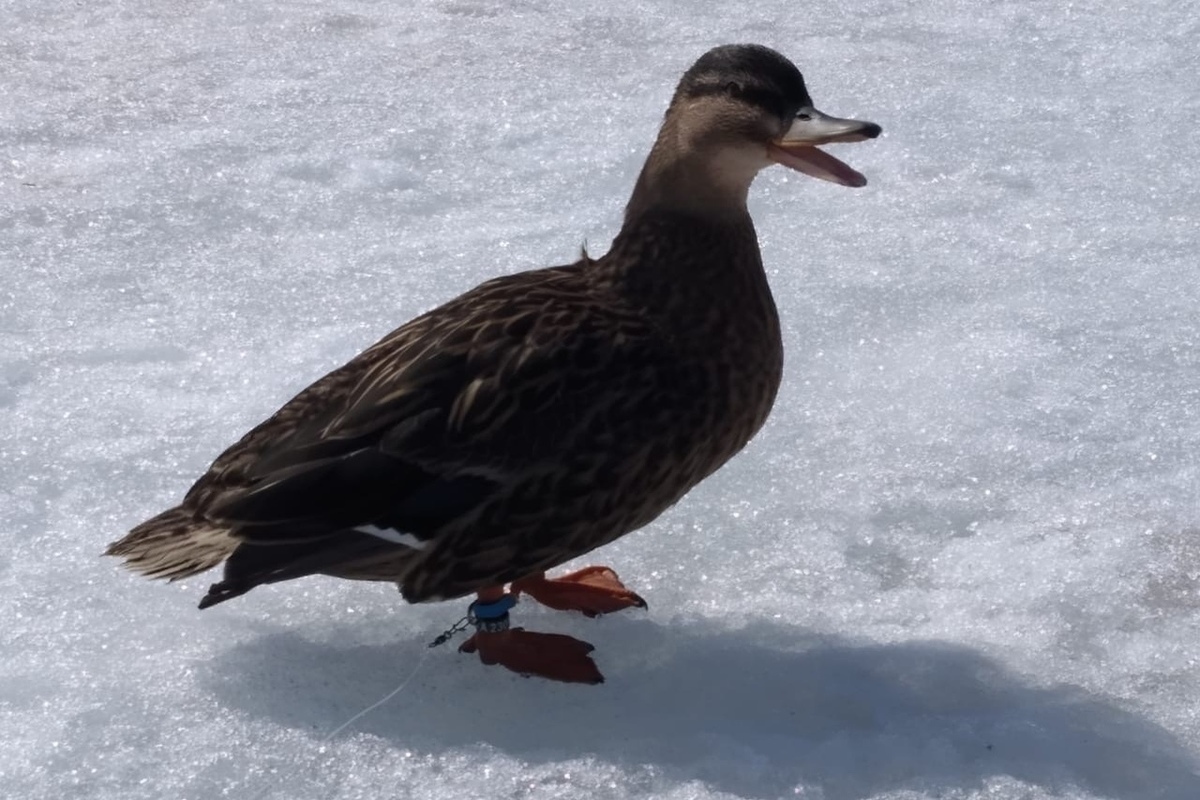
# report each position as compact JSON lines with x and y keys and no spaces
{"x":737,"y":110}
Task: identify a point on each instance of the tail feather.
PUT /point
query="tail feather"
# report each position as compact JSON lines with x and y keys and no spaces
{"x":173,"y":545}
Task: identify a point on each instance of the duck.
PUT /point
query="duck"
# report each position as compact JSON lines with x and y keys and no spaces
{"x":540,"y":415}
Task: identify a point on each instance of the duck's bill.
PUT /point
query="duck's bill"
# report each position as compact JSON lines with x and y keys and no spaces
{"x":797,"y":148}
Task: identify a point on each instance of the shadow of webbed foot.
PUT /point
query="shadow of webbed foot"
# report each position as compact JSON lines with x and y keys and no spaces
{"x":547,"y":655}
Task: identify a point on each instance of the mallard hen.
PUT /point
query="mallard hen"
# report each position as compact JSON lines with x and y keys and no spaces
{"x":539,"y":415}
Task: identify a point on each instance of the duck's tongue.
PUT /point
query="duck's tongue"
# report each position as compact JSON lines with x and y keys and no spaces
{"x":817,"y":163}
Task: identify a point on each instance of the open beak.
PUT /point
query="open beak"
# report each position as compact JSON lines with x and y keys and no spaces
{"x":798,"y":147}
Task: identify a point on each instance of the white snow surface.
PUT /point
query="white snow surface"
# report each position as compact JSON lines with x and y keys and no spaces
{"x":962,"y":560}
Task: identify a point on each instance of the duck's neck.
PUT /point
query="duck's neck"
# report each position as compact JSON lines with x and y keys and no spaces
{"x":685,"y":175}
{"x":685,"y":266}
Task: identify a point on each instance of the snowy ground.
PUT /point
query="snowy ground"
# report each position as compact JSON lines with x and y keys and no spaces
{"x":961,"y":561}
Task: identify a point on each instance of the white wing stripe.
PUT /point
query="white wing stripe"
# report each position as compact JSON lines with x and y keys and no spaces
{"x":393,"y":535}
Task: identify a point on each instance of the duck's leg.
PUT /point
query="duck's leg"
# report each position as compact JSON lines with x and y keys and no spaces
{"x":547,"y":655}
{"x":592,"y":590}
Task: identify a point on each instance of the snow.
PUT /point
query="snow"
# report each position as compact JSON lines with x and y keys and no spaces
{"x":961,"y":561}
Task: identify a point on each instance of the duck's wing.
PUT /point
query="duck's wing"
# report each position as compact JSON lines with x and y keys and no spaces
{"x":336,"y":471}
{"x":369,"y":465}
{"x":331,"y":497}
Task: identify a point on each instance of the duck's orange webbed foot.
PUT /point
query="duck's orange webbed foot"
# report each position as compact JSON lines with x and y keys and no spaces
{"x":592,"y":590}
{"x":547,"y":655}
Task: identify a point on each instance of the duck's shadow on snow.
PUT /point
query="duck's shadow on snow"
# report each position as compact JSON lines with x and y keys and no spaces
{"x":754,"y":712}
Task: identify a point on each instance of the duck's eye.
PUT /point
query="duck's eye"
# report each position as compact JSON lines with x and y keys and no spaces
{"x":734,"y":88}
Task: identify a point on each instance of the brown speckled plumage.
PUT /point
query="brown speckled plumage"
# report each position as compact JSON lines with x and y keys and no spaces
{"x":530,"y":420}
